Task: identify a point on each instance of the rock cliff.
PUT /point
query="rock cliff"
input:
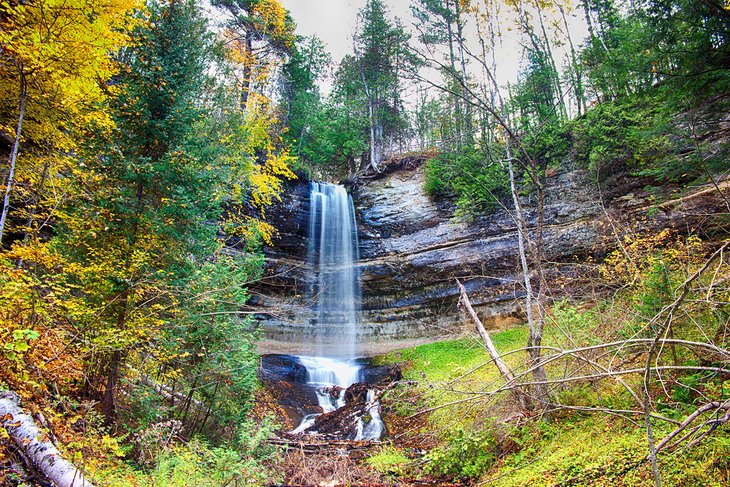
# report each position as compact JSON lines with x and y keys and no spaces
{"x":412,"y":248}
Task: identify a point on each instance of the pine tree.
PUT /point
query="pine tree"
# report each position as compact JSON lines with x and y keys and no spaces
{"x":380,"y":55}
{"x":145,"y":194}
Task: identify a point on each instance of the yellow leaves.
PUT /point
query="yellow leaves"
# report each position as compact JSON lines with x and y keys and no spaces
{"x":272,"y":18}
{"x":266,"y":175}
{"x":112,"y":446}
{"x":259,"y":228}
{"x":63,"y":49}
{"x":266,"y":23}
{"x":639,"y":254}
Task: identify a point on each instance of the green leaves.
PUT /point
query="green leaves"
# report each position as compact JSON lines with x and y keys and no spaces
{"x":474,"y":176}
{"x":15,"y":349}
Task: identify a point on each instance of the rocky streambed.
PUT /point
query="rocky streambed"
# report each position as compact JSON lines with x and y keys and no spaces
{"x":326,"y":398}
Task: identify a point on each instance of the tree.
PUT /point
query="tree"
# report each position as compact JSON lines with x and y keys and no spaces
{"x":53,"y":55}
{"x":440,"y":25}
{"x":148,"y":194}
{"x":380,"y":53}
{"x":520,"y":164}
{"x":143,"y":196}
{"x":301,"y":99}
{"x":259,"y":34}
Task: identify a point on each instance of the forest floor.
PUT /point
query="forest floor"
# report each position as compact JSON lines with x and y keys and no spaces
{"x":445,"y":429}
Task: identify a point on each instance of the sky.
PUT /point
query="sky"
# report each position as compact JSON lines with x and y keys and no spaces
{"x":334,"y":21}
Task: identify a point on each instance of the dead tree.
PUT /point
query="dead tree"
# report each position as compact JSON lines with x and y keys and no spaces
{"x":504,"y":370}
{"x":37,"y":450}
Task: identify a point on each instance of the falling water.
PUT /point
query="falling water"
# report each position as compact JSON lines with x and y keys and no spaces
{"x":335,"y":292}
{"x":333,"y":251}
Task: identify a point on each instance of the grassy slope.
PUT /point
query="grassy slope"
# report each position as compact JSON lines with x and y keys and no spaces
{"x":571,"y":449}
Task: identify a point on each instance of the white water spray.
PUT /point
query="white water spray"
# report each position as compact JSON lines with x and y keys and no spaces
{"x":335,"y":292}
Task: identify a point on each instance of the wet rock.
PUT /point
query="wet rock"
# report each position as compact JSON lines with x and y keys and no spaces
{"x":340,"y":423}
{"x":343,"y":422}
{"x":276,"y":367}
{"x":357,"y":393}
{"x":334,"y":391}
{"x":285,"y":379}
{"x":381,"y":375}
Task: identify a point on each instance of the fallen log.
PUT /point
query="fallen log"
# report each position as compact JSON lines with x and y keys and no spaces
{"x":311,"y":445}
{"x":35,"y":445}
{"x":504,"y":370}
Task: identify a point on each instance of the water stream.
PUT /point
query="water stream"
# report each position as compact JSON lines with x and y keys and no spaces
{"x":335,"y":294}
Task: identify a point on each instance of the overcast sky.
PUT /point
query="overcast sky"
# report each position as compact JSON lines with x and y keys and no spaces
{"x":334,"y":21}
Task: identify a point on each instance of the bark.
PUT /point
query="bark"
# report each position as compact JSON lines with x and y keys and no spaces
{"x":535,"y":329}
{"x":108,"y":404}
{"x":535,"y":326}
{"x":537,"y":258}
{"x":43,"y":455}
{"x":578,"y":80}
{"x":462,"y":62}
{"x":454,"y":71}
{"x":247,"y":71}
{"x":14,"y":155}
{"x":371,"y":118}
{"x":504,"y":370}
{"x":551,"y":59}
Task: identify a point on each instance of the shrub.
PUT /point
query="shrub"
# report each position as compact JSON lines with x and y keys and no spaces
{"x":390,"y":461}
{"x":466,"y":455}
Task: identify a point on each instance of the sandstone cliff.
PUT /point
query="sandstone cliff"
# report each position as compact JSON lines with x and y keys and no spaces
{"x":412,"y":248}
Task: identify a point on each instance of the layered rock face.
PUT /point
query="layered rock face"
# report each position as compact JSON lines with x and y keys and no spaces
{"x":412,"y":248}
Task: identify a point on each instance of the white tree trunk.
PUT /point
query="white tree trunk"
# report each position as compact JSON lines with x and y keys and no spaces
{"x":44,"y":456}
{"x":504,"y":370}
{"x":13,"y":157}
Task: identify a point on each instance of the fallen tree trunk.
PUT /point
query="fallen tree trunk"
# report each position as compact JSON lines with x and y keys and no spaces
{"x":505,"y":371}
{"x":36,"y":447}
{"x":171,"y":395}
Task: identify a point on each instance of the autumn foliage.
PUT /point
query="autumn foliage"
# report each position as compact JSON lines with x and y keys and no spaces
{"x":134,"y":163}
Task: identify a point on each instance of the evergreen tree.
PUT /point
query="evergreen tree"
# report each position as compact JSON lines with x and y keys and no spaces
{"x":139,"y":225}
{"x":380,"y":54}
{"x":301,"y":99}
{"x":440,"y":25}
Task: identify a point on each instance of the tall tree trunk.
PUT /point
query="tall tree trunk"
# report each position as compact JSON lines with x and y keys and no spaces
{"x":14,"y":154}
{"x":467,"y":123}
{"x":534,"y":340}
{"x":537,"y":260}
{"x":108,"y":403}
{"x":551,"y":59}
{"x":247,"y":71}
{"x":577,"y":77}
{"x":589,"y":22}
{"x":452,"y":60}
{"x":371,"y":118}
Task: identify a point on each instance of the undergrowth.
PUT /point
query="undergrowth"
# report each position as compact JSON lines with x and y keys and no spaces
{"x":595,"y":434}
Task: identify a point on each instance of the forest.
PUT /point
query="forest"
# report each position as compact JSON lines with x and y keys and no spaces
{"x":150,"y":148}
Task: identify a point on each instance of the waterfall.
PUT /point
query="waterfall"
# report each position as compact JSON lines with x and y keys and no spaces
{"x":335,"y":294}
{"x":333,"y":253}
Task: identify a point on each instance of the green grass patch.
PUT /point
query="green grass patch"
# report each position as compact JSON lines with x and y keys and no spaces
{"x":606,"y":451}
{"x":450,"y":359}
{"x":452,"y":370}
